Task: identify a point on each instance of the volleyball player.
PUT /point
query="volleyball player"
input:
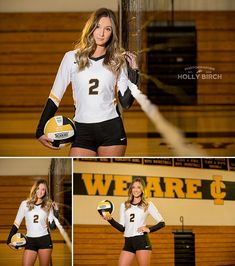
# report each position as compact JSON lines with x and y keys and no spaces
{"x":38,"y":211}
{"x":132,"y":223}
{"x":98,"y":70}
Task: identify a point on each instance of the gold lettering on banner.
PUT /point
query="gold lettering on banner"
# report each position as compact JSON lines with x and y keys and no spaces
{"x":174,"y":188}
{"x":97,"y":183}
{"x":161,"y":187}
{"x":192,"y":187}
{"x":216,"y":192}
{"x":121,"y":185}
{"x":153,"y":187}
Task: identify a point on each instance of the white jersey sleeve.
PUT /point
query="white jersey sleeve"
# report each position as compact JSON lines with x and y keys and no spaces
{"x":51,"y":216}
{"x":122,"y":81}
{"x":20,"y":214}
{"x":122,"y":214}
{"x":153,"y":211}
{"x":63,"y":78}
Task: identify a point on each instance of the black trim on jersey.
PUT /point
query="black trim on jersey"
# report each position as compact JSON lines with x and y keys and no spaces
{"x":156,"y":227}
{"x":48,"y":112}
{"x":13,"y":231}
{"x":98,"y":58}
{"x":117,"y":225}
{"x":136,"y":204}
{"x":127,"y":99}
{"x":52,"y":225}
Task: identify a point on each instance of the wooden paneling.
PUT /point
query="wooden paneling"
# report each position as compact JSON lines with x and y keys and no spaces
{"x":40,"y":22}
{"x":215,"y":245}
{"x":13,"y":190}
{"x":215,"y":48}
{"x":33,"y":44}
{"x":31,"y":48}
{"x":34,"y":92}
{"x":101,"y":245}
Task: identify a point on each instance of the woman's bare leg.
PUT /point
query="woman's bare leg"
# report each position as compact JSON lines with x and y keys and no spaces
{"x":29,"y":257}
{"x":77,"y":152}
{"x":44,"y":256}
{"x":143,"y":257}
{"x":126,"y":258}
{"x":112,"y":151}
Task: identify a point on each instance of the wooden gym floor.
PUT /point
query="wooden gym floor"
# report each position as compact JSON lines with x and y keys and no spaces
{"x":212,"y":128}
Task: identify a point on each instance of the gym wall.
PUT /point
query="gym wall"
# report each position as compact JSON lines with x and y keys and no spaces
{"x":20,"y":166}
{"x":80,"y":6}
{"x":203,"y":203}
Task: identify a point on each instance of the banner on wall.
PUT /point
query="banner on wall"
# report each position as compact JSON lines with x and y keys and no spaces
{"x":160,"y":187}
{"x":200,"y":163}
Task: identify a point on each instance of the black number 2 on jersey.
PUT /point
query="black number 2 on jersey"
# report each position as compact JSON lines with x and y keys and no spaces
{"x":132,"y":217}
{"x":93,"y":89}
{"x":35,"y":218}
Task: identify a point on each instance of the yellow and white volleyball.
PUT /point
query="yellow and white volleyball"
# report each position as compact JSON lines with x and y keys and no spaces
{"x":18,"y":240}
{"x":61,"y":130}
{"x":105,"y":208}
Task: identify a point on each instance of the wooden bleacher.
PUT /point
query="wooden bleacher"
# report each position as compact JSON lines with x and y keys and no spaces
{"x":101,"y":245}
{"x":31,"y":48}
{"x":13,"y":190}
{"x":33,"y":44}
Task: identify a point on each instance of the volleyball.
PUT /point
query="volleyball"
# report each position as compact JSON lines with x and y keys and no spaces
{"x":61,"y":130}
{"x":105,"y":207}
{"x":18,"y":240}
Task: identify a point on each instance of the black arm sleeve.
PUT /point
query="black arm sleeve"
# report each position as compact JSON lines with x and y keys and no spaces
{"x":133,"y":75}
{"x":48,"y":112}
{"x":56,"y":213}
{"x":13,"y":231}
{"x":157,"y":227}
{"x":127,"y":99}
{"x":117,"y":225}
{"x":52,"y":225}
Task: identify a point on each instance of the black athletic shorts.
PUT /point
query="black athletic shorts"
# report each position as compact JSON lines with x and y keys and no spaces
{"x":93,"y":135}
{"x":132,"y":244}
{"x":36,"y":243}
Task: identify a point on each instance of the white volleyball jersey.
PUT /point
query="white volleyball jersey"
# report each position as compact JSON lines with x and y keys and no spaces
{"x":93,"y":88}
{"x":36,"y":220}
{"x":135,"y":217}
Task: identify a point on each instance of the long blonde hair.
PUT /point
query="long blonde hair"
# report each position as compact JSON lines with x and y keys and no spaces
{"x":144,"y":201}
{"x":32,"y":199}
{"x":86,"y":46}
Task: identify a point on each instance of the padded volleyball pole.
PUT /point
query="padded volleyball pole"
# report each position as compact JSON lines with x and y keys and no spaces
{"x":59,"y":168}
{"x":56,"y":181}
